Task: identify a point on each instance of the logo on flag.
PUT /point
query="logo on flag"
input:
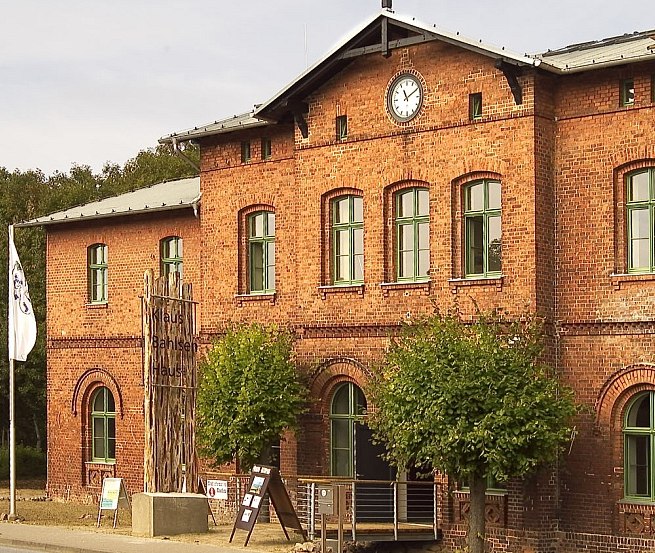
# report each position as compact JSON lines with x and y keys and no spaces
{"x":22,"y":323}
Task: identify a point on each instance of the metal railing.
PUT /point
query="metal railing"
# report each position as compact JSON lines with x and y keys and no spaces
{"x":375,"y":509}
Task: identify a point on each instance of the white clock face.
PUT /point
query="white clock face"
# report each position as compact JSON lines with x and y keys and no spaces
{"x":405,"y":97}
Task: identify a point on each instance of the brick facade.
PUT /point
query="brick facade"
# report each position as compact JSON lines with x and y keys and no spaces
{"x":561,"y":157}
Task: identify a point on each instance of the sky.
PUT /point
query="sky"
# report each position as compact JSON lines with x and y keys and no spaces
{"x":93,"y":81}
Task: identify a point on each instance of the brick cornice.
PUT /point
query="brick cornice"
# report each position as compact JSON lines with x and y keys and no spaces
{"x":86,"y":342}
{"x":602,"y":328}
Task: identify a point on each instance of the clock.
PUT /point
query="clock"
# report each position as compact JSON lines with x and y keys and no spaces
{"x":404,"y":97}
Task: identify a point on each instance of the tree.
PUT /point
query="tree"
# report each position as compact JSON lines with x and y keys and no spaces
{"x":472,"y":400}
{"x":248,"y":393}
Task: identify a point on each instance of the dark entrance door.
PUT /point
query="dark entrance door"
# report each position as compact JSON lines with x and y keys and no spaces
{"x":373,"y":500}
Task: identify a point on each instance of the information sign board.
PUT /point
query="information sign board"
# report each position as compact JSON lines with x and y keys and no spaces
{"x":264,"y":480}
{"x":113,"y":494}
{"x":217,"y":489}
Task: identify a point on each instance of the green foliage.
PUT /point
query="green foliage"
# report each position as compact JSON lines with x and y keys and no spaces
{"x":473,"y":400}
{"x":249,"y":392}
{"x":25,"y":195}
{"x":30,"y":462}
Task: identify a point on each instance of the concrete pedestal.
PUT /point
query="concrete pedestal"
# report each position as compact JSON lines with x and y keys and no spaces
{"x":166,"y":514}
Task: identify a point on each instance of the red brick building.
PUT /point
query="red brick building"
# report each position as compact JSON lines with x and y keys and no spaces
{"x":410,"y":166}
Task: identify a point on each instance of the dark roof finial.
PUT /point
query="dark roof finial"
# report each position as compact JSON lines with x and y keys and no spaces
{"x":386,"y":4}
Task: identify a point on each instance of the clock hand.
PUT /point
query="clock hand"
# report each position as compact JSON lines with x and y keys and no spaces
{"x":412,"y":92}
{"x":405,"y":93}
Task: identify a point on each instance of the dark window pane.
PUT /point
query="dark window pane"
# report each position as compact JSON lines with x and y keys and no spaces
{"x":341,"y":463}
{"x":111,"y":428}
{"x":475,"y":245}
{"x":99,"y":448}
{"x":99,"y":401}
{"x":638,"y":452}
{"x":360,"y":400}
{"x":494,"y":237}
{"x":341,"y":433}
{"x":99,"y":427}
{"x":341,"y":401}
{"x":257,"y":266}
{"x":111,"y":406}
{"x":639,"y":415}
{"x":111,"y":448}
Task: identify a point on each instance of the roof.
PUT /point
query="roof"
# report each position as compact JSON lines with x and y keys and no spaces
{"x":236,"y":122}
{"x":164,"y":196}
{"x":340,"y":56}
{"x":618,"y":50}
{"x":402,"y":30}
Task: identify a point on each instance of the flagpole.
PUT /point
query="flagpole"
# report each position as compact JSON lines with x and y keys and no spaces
{"x":12,"y":433}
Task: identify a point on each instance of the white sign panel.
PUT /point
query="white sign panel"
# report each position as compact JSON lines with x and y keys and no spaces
{"x":217,"y":489}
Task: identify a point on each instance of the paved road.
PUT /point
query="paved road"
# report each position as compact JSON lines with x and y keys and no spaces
{"x":4,"y":549}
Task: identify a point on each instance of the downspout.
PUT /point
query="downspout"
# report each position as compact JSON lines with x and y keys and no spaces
{"x":179,"y":153}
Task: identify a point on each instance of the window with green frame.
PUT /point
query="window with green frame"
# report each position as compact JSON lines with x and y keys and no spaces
{"x":640,"y":218}
{"x":638,"y":434}
{"x":170,"y":253}
{"x":97,"y":272}
{"x":412,"y":207}
{"x":493,"y":485}
{"x":347,"y":409}
{"x":482,"y":229}
{"x":347,"y":240}
{"x":103,"y":426}
{"x":261,"y":252}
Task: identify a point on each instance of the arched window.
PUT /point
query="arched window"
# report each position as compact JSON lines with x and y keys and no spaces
{"x":640,"y":208}
{"x":412,"y":218}
{"x":103,"y":426}
{"x":347,"y":215}
{"x":482,"y":230}
{"x":639,"y":433}
{"x":170,"y":254}
{"x":261,"y":252}
{"x":347,"y":408}
{"x":97,"y":273}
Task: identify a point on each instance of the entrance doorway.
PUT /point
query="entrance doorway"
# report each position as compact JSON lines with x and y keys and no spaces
{"x":355,"y":455}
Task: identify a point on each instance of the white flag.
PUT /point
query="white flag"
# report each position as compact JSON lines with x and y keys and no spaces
{"x":22,"y":324}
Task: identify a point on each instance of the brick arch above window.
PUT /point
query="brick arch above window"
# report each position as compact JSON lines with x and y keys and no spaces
{"x":242,"y":237}
{"x":91,"y":380}
{"x":389,"y":214}
{"x":335,"y":371}
{"x":617,"y":392}
{"x":620,"y":177}
{"x":458,"y":185}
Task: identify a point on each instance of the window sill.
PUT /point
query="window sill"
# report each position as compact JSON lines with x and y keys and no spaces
{"x":488,"y":493}
{"x":240,"y":299}
{"x":642,"y":502}
{"x":456,"y":283}
{"x":97,"y":305}
{"x":620,"y":279}
{"x":341,"y":289}
{"x":405,"y":286}
{"x":101,"y":463}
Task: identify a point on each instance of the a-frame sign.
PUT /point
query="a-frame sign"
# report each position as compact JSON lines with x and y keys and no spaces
{"x":264,"y":480}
